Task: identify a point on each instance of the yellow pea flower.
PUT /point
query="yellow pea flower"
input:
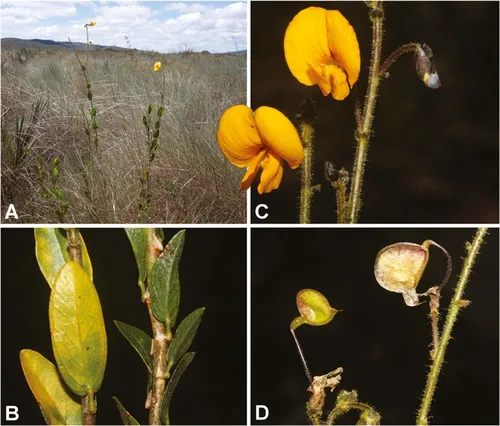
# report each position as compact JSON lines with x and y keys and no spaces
{"x":157,"y":66}
{"x":321,"y":48}
{"x":92,"y":23}
{"x":259,"y":140}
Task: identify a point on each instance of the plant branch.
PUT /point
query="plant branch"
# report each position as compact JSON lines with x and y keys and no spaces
{"x":347,"y":401}
{"x":363,"y":137}
{"x":456,"y":305}
{"x":89,"y":408}
{"x":306,"y":191}
{"x":159,"y":351}
{"x":394,"y":56}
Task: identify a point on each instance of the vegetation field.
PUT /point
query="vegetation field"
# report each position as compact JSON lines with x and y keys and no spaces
{"x":74,"y":157}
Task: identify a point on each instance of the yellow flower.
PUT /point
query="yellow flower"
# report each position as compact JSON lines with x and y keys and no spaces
{"x":92,"y":23}
{"x":321,"y":48}
{"x":157,"y":66}
{"x":259,"y":140}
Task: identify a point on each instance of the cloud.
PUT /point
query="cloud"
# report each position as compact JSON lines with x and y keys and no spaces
{"x":37,"y":10}
{"x":186,"y":7}
{"x":167,"y":27}
{"x":46,"y":31}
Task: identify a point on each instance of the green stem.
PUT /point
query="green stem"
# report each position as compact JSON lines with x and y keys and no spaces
{"x":456,"y":305}
{"x":306,"y":191}
{"x":363,"y":137}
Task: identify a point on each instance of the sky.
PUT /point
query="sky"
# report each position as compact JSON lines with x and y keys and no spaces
{"x":216,"y":26}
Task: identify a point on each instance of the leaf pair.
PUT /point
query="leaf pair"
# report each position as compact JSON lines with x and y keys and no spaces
{"x":77,"y":330}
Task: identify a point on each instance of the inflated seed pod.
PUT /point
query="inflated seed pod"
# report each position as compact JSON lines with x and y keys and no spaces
{"x":399,"y":268}
{"x":314,"y":309}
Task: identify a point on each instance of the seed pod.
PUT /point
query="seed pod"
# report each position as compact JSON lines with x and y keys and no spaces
{"x":426,"y":67}
{"x":314,"y":309}
{"x":399,"y":268}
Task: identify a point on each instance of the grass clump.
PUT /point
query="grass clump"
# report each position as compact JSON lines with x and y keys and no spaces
{"x":190,"y":180}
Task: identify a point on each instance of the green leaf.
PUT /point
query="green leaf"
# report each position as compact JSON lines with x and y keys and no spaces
{"x":138,"y":238}
{"x":160,"y":111}
{"x":172,"y":384}
{"x":77,"y":330}
{"x":127,"y":418}
{"x":139,"y":340}
{"x":57,"y":404}
{"x":165,"y":291}
{"x":52,"y":252}
{"x":184,"y":336}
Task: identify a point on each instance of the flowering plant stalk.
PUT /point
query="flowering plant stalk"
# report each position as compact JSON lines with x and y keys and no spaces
{"x":342,"y":45}
{"x":91,"y":126}
{"x":152,"y":134}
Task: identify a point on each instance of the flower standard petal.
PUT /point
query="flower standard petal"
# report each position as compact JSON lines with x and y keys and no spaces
{"x":238,"y":137}
{"x":272,"y":173}
{"x":306,"y":43}
{"x":343,"y":44}
{"x":279,"y":134}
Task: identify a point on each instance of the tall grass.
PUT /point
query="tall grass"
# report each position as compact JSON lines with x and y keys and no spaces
{"x":191,"y":180}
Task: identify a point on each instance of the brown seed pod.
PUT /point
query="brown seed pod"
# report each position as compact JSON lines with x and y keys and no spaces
{"x":399,"y":268}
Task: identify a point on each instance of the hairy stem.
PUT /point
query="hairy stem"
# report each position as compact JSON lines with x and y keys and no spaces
{"x":306,"y":191}
{"x":456,"y":305}
{"x":394,"y":56}
{"x":368,"y":413}
{"x":363,"y":137}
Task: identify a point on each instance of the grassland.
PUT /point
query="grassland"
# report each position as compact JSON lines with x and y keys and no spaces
{"x":51,"y":170}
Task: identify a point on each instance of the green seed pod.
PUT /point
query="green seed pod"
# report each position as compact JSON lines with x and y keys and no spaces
{"x":314,"y":309}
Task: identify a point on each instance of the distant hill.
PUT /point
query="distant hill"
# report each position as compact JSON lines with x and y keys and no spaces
{"x":238,"y":52}
{"x":19,"y":43}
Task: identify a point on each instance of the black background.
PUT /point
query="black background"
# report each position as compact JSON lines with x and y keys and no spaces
{"x":433,"y":156}
{"x":381,"y":343}
{"x":213,"y":274}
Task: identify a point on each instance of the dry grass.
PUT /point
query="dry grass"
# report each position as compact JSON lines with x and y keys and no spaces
{"x":191,"y":180}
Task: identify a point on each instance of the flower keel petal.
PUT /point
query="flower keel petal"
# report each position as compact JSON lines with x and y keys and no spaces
{"x":272,"y":173}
